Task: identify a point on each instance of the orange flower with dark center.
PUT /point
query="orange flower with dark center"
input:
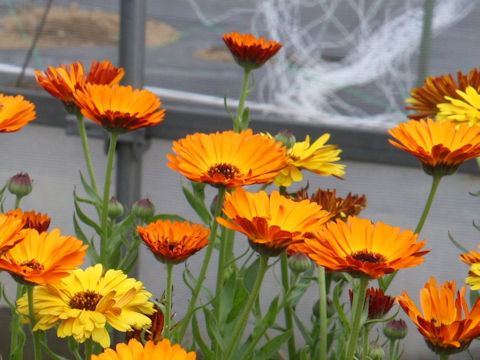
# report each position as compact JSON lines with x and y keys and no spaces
{"x":120,"y":108}
{"x":271,"y":222}
{"x":425,"y":99}
{"x":173,"y":242}
{"x":471,"y":257}
{"x":43,"y":258}
{"x":10,"y":228}
{"x":62,"y":82}
{"x":15,"y":112}
{"x":379,"y":304}
{"x":446,"y":322}
{"x":337,"y":206}
{"x":32,"y":219}
{"x":362,"y":248}
{"x":440,"y":147}
{"x":249,"y":51}
{"x":154,"y":333}
{"x":228,"y":158}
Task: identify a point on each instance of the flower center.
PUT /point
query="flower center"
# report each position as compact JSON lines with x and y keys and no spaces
{"x":85,"y":300}
{"x":33,"y":264}
{"x":228,"y":171}
{"x":367,"y":256}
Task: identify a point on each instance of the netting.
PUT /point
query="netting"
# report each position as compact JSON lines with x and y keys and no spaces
{"x":344,"y":61}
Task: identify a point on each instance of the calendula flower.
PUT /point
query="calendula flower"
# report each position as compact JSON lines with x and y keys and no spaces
{"x":43,"y":258}
{"x":425,"y":99}
{"x":362,"y":248}
{"x":317,"y":158}
{"x":10,"y":228}
{"x":471,"y":257}
{"x":154,"y":332}
{"x":271,"y":222}
{"x":338,"y":207}
{"x":120,"y":108}
{"x":173,"y":242}
{"x":228,"y":158}
{"x":379,"y":304}
{"x":15,"y":112}
{"x":248,"y":51}
{"x":474,"y":279}
{"x":64,"y":81}
{"x":32,"y":219}
{"x":441,"y":322}
{"x":84,"y":302}
{"x":464,"y":110}
{"x":135,"y":350}
{"x":441,"y":147}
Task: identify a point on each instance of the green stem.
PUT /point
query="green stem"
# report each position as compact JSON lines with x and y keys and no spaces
{"x":365,"y":330}
{"x":287,"y":309}
{"x":37,"y":346}
{"x":17,"y":201}
{"x":443,"y":357}
{"x":238,"y":124}
{"x":208,"y":254}
{"x":322,"y":308}
{"x":243,"y":318}
{"x":86,"y":150}
{"x":357,"y":309}
{"x":88,"y":348}
{"x":168,"y":302}
{"x":106,"y":197}
{"x":220,"y":276}
{"x":16,"y":325}
{"x":435,"y":181}
{"x":391,"y":351}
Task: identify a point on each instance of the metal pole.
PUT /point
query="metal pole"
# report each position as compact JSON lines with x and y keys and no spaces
{"x":424,"y":57}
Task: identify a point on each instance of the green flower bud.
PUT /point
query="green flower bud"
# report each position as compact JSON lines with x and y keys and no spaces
{"x":20,"y":185}
{"x":395,"y":329}
{"x":376,"y":353}
{"x":299,"y":262}
{"x":143,"y":209}
{"x":286,"y":137}
{"x":115,"y":208}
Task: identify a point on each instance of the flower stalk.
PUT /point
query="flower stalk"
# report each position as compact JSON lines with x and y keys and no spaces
{"x":168,"y":302}
{"x":357,"y":310}
{"x":238,"y":123}
{"x":322,"y":310}
{"x":287,"y":309}
{"x":37,"y":346}
{"x":433,"y":189}
{"x":86,"y":149}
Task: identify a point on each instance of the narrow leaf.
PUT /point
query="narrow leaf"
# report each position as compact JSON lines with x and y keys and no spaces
{"x":197,"y":205}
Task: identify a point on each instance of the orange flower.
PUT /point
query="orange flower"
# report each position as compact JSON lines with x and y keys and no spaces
{"x":43,"y":258}
{"x":249,"y":51}
{"x":471,"y":258}
{"x":120,"y":108}
{"x":271,"y":222}
{"x":441,"y":146}
{"x":154,"y":333}
{"x":379,"y":304}
{"x":10,"y":227}
{"x":173,"y":242}
{"x":32,"y":220}
{"x":228,"y":158}
{"x":442,"y":324}
{"x":62,"y":82}
{"x":425,"y":99}
{"x":15,"y":112}
{"x":134,"y":350}
{"x":362,"y":248}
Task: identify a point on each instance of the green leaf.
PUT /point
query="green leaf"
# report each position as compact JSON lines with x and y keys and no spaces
{"x":197,"y":205}
{"x":212,"y":328}
{"x":197,"y":335}
{"x":272,"y":346}
{"x":245,"y":118}
{"x":271,"y":315}
{"x":171,"y":217}
{"x":86,"y":220}
{"x":251,"y":275}
{"x":91,"y":251}
{"x":456,"y":243}
{"x":239,"y":300}
{"x":199,"y":189}
{"x":91,"y":191}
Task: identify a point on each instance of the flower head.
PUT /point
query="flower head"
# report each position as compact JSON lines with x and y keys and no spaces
{"x":119,"y":108}
{"x":471,"y":257}
{"x":379,"y":304}
{"x":463,"y":110}
{"x":43,"y":258}
{"x":134,"y":350}
{"x":248,"y":51}
{"x":64,"y":81}
{"x":155,"y":331}
{"x":425,"y":99}
{"x":317,"y":158}
{"x":362,"y":248}
{"x":32,"y":219}
{"x":445,"y":328}
{"x":10,"y":228}
{"x":15,"y":112}
{"x":86,"y":300}
{"x":441,"y":147}
{"x":228,"y":158}
{"x":174,"y":242}
{"x":474,"y":276}
{"x":271,"y":222}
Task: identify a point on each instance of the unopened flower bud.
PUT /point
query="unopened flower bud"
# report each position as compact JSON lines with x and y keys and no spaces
{"x":143,"y":209}
{"x":20,"y":184}
{"x":286,"y":137}
{"x":395,"y":329}
{"x":376,"y":353}
{"x":299,"y":262}
{"x":115,"y":208}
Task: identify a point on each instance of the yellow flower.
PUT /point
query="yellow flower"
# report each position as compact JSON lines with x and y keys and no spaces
{"x":84,"y":302}
{"x":317,"y":157}
{"x":474,"y":279}
{"x":466,"y":110}
{"x":134,"y":350}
